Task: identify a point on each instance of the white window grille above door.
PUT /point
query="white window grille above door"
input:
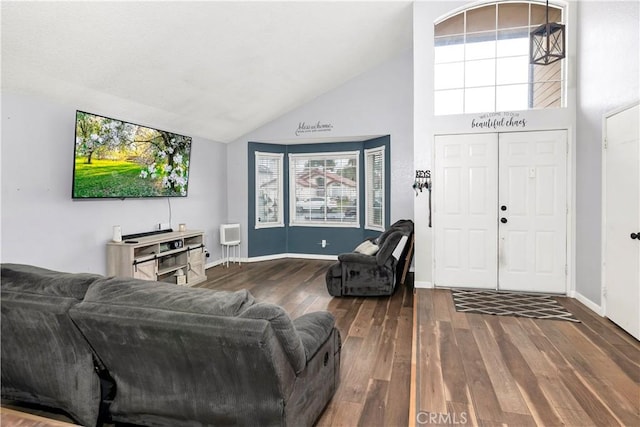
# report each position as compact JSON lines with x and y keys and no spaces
{"x":481,"y":61}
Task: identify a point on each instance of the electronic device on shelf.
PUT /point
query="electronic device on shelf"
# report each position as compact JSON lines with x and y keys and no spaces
{"x":146,"y":233}
{"x":171,"y":245}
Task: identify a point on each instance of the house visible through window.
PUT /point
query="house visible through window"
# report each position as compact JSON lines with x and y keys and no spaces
{"x":374,"y":188}
{"x":482,"y":61}
{"x":269,"y":212}
{"x":323,"y":189}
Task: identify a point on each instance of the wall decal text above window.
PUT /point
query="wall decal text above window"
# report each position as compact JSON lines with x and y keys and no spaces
{"x":304,"y":127}
{"x":503,"y":119}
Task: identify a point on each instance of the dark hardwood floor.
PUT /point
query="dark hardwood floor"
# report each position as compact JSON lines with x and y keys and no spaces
{"x":468,"y":369}
{"x":502,"y":370}
{"x":376,"y":336}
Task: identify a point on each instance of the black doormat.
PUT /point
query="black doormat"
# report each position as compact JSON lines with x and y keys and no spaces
{"x":510,"y":304}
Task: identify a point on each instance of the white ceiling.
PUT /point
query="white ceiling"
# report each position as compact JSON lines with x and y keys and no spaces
{"x":212,"y":69}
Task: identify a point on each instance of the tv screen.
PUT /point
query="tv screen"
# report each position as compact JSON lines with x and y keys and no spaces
{"x":117,"y":159}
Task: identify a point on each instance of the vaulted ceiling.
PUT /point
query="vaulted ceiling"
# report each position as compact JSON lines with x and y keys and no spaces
{"x":213,"y":69}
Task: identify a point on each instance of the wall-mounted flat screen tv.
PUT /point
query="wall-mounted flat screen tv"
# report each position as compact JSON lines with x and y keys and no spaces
{"x":116,"y":159}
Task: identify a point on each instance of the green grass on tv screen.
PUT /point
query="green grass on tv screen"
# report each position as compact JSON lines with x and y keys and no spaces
{"x":114,"y":178}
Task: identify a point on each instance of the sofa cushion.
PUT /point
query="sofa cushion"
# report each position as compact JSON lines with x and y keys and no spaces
{"x":174,"y":368}
{"x":37,"y":280}
{"x":167,"y":296}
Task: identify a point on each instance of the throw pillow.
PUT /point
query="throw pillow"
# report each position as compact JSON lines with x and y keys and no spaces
{"x":367,"y":248}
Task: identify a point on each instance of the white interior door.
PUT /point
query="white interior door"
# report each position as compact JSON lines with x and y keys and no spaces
{"x":465,"y":210}
{"x":621,"y":217}
{"x":500,"y":211}
{"x":533,"y":211}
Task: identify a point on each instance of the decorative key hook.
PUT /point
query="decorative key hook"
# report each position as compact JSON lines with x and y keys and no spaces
{"x":423,"y":181}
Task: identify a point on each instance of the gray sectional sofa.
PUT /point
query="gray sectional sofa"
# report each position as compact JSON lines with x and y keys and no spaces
{"x":150,"y":353}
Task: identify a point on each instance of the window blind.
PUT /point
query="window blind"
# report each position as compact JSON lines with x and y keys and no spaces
{"x":269,"y":168}
{"x":374,"y":196}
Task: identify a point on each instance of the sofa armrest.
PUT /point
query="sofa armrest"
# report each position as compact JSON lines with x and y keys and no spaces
{"x":314,"y":329}
{"x":356,"y":258}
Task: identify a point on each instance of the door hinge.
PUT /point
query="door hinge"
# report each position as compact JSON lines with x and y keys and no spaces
{"x":606,"y":143}
{"x":566,"y":270}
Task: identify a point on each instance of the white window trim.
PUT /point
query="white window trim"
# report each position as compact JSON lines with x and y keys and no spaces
{"x":367,"y":223}
{"x":280,"y":221}
{"x":292,"y":186}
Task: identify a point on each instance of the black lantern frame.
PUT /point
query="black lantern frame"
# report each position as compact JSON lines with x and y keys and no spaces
{"x":547,"y":42}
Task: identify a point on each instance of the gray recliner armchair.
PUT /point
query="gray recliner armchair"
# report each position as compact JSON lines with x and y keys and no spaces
{"x":376,"y":266}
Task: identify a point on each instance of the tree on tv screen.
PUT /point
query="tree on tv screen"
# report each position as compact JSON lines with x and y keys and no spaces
{"x":119,"y":159}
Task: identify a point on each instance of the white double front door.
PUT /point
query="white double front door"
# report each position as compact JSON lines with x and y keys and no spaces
{"x":500,"y":211}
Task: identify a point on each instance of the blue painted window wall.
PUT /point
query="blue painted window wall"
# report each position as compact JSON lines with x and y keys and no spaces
{"x":303,"y":239}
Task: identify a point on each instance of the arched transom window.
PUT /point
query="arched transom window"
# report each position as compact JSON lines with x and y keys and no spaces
{"x":482,"y":60}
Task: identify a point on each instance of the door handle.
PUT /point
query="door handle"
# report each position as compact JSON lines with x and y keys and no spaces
{"x":635,"y":235}
{"x":503,"y":220}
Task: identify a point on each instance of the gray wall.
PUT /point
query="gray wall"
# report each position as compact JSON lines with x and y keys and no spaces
{"x":41,"y":224}
{"x":607,"y":79}
{"x":378,"y":102}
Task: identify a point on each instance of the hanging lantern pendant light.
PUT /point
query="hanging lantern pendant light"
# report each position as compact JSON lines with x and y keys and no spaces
{"x":547,"y":42}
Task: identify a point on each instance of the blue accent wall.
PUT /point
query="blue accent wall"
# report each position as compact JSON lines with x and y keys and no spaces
{"x":303,"y":239}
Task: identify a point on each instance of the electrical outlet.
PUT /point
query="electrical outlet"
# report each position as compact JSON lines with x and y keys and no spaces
{"x":323,"y":243}
{"x":163,"y":226}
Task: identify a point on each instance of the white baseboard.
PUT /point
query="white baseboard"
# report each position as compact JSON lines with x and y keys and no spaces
{"x":422,"y":284}
{"x":587,"y":303}
{"x":313,"y":256}
{"x":300,"y":256}
{"x":277,"y":256}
